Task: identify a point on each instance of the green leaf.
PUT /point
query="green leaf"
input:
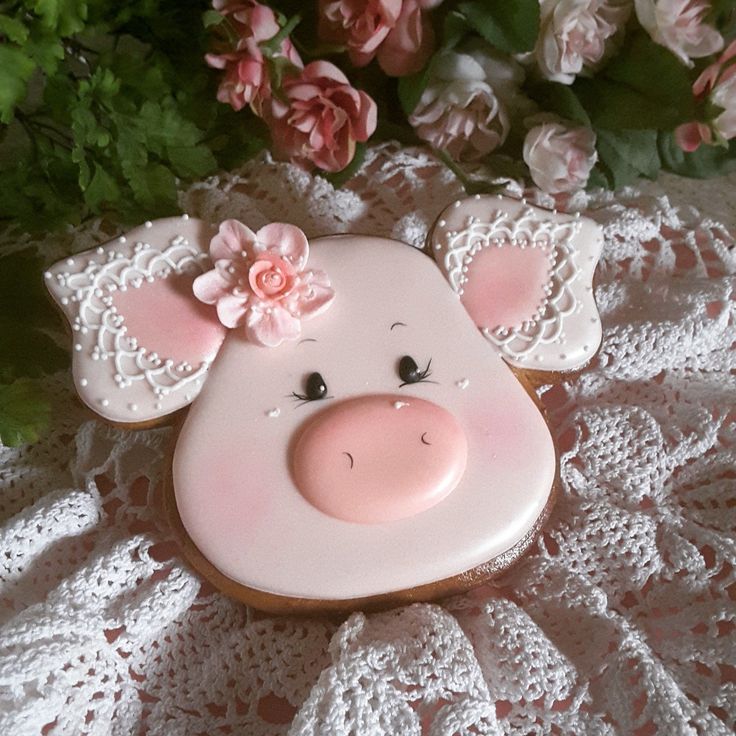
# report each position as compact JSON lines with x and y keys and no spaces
{"x":340,"y":177}
{"x":454,"y":30}
{"x":705,"y":162}
{"x":13,"y":29}
{"x":561,"y":100}
{"x":644,"y":86}
{"x":653,"y":71}
{"x":509,"y":25}
{"x":212,"y":18}
{"x":192,"y":161}
{"x":628,"y":155}
{"x":411,"y":88}
{"x":65,"y":16}
{"x":24,"y":413}
{"x":102,"y":189}
{"x":597,"y":180}
{"x":15,"y":71}
{"x":616,"y":106}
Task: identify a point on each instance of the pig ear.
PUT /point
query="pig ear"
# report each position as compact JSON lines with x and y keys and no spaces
{"x":142,"y":342}
{"x":525,"y":276}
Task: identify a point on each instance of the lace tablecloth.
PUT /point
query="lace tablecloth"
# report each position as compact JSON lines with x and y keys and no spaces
{"x":620,"y":620}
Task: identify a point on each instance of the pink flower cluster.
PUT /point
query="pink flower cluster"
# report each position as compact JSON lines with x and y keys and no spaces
{"x":716,"y":84}
{"x":260,"y":281}
{"x":396,"y":32}
{"x":319,"y":117}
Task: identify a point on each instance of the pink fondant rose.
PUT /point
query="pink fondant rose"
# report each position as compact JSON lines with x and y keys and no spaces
{"x":717,"y":84}
{"x":573,"y":35}
{"x":680,"y":26}
{"x":560,"y":159}
{"x":397,"y":32}
{"x":321,"y":118}
{"x":260,"y":281}
{"x":246,"y":80}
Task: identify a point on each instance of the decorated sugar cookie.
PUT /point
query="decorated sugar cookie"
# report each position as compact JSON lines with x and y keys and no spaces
{"x":355,"y":434}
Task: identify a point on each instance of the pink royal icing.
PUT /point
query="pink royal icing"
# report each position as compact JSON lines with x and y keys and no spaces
{"x":240,"y":463}
{"x":526,"y":277}
{"x":197,"y":336}
{"x":379,"y":458}
{"x":505,"y":285}
{"x":259,"y":280}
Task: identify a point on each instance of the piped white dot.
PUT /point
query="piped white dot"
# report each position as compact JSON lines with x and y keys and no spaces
{"x":185,"y":216}
{"x":463,"y":383}
{"x":133,"y":407}
{"x":157,"y":406}
{"x":82,"y":382}
{"x":104,"y":402}
{"x":148,"y":224}
{"x":273,"y":413}
{"x":122,"y":239}
{"x":400,"y":404}
{"x":47,"y":275}
{"x":77,"y":347}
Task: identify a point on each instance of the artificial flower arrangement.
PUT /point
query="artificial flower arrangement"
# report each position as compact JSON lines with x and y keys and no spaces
{"x":108,"y":108}
{"x":565,"y":93}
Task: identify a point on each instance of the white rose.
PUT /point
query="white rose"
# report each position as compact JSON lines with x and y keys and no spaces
{"x":573,"y":35}
{"x":464,"y":109}
{"x":560,"y":159}
{"x":679,"y":26}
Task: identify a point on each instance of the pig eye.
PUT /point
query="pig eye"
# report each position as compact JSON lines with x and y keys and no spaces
{"x":315,"y":389}
{"x":410,"y":372}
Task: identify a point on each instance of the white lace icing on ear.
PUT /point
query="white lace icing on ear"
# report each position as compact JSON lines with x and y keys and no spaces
{"x":116,"y":375}
{"x":564,"y":331}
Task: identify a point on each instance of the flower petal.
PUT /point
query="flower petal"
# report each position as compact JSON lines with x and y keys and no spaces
{"x":287,"y":241}
{"x":311,"y":296}
{"x":232,"y":238}
{"x":271,"y":327}
{"x":210,"y":286}
{"x":231,"y":309}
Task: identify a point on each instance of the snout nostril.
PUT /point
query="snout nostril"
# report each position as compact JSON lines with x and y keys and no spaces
{"x":350,"y":458}
{"x":424,"y":441}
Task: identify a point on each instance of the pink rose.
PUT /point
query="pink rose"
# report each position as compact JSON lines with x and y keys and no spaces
{"x":560,"y":159}
{"x":718,"y":84}
{"x":464,"y":110}
{"x":259,"y":280}
{"x":573,"y":35}
{"x":680,"y":26}
{"x":246,"y":80}
{"x":397,"y":32}
{"x":321,"y":118}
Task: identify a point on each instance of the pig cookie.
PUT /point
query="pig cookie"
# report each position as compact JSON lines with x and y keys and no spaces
{"x":354,"y":439}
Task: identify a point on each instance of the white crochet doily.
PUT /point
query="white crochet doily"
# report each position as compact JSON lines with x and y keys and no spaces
{"x":620,"y":620}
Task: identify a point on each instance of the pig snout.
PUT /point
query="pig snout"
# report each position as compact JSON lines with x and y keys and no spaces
{"x":379,"y":458}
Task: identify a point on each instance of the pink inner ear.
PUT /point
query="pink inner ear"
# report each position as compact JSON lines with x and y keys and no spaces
{"x":165,"y":318}
{"x":505,"y":285}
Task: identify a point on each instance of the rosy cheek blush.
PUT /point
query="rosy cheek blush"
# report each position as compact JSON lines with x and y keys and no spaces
{"x":359,"y":436}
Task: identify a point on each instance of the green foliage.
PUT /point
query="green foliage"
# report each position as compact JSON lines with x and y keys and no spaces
{"x":108,"y":105}
{"x":26,"y":349}
{"x":704,"y":163}
{"x":511,"y":26}
{"x":644,"y":86}
{"x":24,"y":413}
{"x":627,"y":155}
{"x":561,"y":100}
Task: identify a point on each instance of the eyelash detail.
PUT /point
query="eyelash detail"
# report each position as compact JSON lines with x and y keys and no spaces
{"x":409,"y":371}
{"x":316,"y":389}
